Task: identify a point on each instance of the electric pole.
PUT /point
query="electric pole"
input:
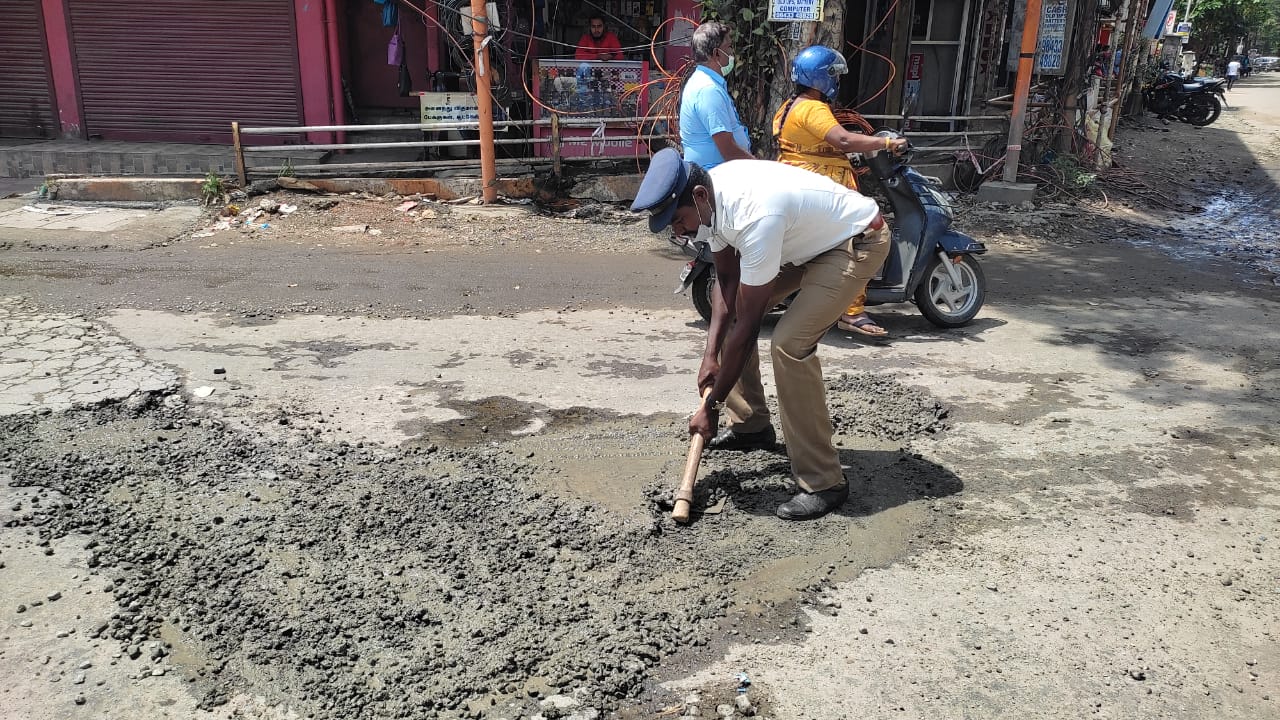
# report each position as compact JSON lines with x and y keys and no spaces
{"x":484,"y":101}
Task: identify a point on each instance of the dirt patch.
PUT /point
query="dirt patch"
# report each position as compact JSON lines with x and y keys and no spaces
{"x":397,"y":222}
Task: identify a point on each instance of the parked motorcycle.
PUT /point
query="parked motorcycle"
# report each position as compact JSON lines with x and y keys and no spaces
{"x":1198,"y":101}
{"x":928,"y":262}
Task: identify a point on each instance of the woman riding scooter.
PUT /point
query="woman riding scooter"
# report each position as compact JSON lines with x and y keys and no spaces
{"x":810,"y":137}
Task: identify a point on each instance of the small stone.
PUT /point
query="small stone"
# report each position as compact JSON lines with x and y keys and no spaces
{"x":1137,"y":674}
{"x":85,"y":665}
{"x":743,"y":704}
{"x":22,"y":609}
{"x":79,"y":700}
{"x":157,"y":671}
{"x":54,"y":596}
{"x":559,"y":702}
{"x":79,"y":679}
{"x":219,"y":371}
{"x":725,"y":710}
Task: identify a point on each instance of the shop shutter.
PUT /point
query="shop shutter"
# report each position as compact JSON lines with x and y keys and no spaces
{"x":25,"y":91}
{"x":183,"y":70}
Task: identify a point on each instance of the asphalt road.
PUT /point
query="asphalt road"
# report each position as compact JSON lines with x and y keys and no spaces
{"x":1077,"y":521}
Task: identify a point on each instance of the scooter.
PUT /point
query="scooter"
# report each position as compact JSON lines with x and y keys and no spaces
{"x":928,"y":262}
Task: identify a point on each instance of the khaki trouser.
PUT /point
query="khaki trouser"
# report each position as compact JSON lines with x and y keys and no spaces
{"x":827,"y":284}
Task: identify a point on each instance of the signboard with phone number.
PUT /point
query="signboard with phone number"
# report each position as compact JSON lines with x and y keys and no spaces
{"x":795,"y":10}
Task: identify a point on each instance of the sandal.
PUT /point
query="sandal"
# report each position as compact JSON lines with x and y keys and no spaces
{"x":862,"y":325}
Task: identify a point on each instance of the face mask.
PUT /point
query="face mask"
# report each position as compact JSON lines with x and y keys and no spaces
{"x":728,"y":66}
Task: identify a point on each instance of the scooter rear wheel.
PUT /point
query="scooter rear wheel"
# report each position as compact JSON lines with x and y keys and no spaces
{"x":945,"y":305}
{"x":1202,"y":111}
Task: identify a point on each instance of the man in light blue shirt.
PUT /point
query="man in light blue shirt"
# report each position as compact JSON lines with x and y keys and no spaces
{"x":710,"y":130}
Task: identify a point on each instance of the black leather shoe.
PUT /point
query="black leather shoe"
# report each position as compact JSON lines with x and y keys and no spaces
{"x":766,"y":439}
{"x":807,"y":505}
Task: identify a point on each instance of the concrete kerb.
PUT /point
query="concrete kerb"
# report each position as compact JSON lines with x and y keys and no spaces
{"x":604,"y":188}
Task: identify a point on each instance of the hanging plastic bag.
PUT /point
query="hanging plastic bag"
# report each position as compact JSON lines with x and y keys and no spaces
{"x":390,"y":13}
{"x":406,"y":82}
{"x":395,"y":49}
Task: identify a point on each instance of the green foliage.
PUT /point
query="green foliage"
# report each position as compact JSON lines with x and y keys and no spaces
{"x":213,"y":189}
{"x":1073,"y":175}
{"x":758,"y":46}
{"x":1218,"y":25}
{"x":286,"y":170}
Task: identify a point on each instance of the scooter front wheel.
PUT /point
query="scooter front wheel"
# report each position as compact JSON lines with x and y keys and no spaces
{"x":944,"y":304}
{"x":703,"y":286}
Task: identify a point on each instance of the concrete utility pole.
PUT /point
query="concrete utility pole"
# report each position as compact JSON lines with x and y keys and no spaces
{"x":1022,"y":87}
{"x":484,"y":101}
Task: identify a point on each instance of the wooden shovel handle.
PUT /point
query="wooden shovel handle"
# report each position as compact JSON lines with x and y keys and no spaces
{"x":684,"y":494}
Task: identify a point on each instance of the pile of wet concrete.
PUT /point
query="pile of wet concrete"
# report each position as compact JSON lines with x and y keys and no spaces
{"x":381,"y":582}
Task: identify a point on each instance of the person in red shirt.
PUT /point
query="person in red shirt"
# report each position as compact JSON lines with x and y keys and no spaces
{"x":598,"y":43}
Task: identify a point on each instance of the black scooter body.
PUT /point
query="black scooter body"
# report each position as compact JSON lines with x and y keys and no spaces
{"x":921,"y":225}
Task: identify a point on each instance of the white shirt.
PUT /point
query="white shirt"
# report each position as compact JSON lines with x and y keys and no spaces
{"x":1233,"y":67}
{"x":775,"y":215}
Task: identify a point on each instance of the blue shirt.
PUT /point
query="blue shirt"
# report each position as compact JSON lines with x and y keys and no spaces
{"x":707,"y":109}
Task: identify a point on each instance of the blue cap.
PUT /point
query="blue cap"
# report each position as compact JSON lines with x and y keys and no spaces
{"x":662,"y":184}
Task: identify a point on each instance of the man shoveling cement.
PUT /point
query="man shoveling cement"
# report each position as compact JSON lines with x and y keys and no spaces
{"x":774,"y":230}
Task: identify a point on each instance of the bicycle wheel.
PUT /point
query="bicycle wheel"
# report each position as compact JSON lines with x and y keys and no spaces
{"x":965,"y":173}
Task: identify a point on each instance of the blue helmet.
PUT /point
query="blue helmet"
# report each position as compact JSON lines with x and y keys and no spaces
{"x":820,"y":68}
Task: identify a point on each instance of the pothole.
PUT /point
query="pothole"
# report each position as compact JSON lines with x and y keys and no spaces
{"x":352,"y":580}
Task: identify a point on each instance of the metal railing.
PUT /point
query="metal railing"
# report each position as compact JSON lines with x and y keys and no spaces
{"x":924,"y":148}
{"x":554,"y":137}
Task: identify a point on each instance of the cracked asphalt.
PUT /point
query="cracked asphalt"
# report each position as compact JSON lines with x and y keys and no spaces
{"x":53,"y":361}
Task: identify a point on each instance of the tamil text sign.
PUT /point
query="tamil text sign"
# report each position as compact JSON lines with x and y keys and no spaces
{"x":448,"y":107}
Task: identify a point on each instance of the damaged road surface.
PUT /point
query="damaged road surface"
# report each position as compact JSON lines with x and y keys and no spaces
{"x":453,"y":573}
{"x":416,"y":517}
{"x":290,"y":473}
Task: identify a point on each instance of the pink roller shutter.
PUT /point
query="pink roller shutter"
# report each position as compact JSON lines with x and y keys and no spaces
{"x":25,"y":91}
{"x":183,"y":70}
